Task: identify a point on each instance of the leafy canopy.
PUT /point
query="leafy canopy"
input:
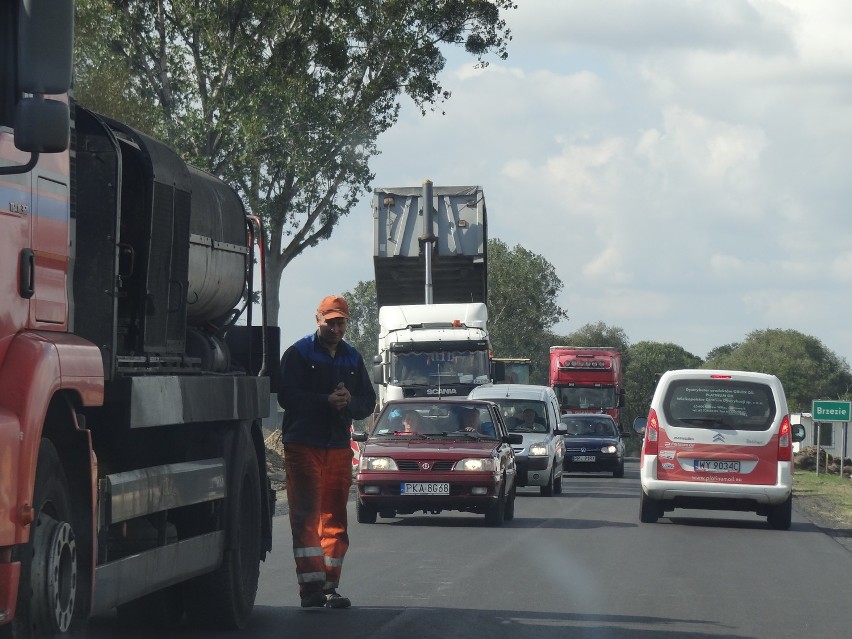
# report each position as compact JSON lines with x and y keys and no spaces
{"x":284,"y":99}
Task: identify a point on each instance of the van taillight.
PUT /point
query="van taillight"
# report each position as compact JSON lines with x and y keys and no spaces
{"x":785,"y":445}
{"x":652,"y":433}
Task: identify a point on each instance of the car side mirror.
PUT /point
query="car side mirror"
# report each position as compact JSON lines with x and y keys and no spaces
{"x":561,"y":429}
{"x":513,"y":438}
{"x":359,"y":436}
{"x":639,"y":425}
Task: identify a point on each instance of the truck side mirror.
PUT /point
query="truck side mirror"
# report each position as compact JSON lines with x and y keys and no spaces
{"x":378,"y":370}
{"x":798,"y":432}
{"x":42,"y":126}
{"x":639,"y":425}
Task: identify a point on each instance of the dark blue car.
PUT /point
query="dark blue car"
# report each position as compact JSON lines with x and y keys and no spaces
{"x":593,"y":443}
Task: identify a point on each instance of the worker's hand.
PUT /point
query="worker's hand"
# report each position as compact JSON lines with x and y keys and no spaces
{"x":340,"y":398}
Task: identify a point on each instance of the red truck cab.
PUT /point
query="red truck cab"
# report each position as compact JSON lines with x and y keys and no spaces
{"x":587,"y":379}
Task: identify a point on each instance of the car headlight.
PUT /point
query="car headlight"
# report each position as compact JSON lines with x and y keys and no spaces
{"x":474,"y":464}
{"x":609,"y":449}
{"x":538,"y":449}
{"x":377,"y":463}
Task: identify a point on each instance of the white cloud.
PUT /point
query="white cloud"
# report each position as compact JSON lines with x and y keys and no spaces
{"x":683,"y":164}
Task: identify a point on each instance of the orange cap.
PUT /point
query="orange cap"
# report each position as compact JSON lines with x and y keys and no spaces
{"x":333,"y":306}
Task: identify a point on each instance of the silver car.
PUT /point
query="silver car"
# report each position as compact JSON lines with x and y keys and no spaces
{"x":533,"y":412}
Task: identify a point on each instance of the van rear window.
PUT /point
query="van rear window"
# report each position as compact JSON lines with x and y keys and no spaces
{"x":720,"y":403}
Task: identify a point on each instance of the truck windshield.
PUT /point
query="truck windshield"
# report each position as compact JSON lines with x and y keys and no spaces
{"x":575,"y":397}
{"x":430,"y":368}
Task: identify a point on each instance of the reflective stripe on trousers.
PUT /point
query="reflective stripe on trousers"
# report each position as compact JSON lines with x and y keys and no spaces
{"x":318,"y":483}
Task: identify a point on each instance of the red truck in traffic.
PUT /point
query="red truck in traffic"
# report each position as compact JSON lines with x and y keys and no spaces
{"x":133,"y":380}
{"x":587,"y":379}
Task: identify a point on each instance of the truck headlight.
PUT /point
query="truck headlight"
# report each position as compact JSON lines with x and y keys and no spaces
{"x":474,"y":464}
{"x":377,"y":463}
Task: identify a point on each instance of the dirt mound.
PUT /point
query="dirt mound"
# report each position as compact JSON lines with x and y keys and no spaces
{"x":275,"y":459}
{"x":806,"y":459}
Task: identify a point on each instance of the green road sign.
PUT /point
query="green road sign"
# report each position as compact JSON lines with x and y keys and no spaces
{"x":828,"y":411}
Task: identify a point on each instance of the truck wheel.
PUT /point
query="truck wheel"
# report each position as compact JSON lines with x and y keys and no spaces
{"x":224,"y":598}
{"x":495,"y":513}
{"x":547,"y":489}
{"x":48,"y":587}
{"x":365,"y":514}
{"x":650,"y":510}
{"x":781,"y":515}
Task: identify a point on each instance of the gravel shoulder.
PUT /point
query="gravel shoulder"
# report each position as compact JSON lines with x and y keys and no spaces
{"x":822,"y":513}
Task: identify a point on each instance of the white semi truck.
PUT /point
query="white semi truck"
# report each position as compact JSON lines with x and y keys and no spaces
{"x":431,"y":288}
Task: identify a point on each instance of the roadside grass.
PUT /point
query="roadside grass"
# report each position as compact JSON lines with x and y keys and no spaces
{"x":827,"y":497}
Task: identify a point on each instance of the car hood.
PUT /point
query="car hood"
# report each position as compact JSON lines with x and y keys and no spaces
{"x":532,"y":438}
{"x":426,"y":446}
{"x":589,"y":442}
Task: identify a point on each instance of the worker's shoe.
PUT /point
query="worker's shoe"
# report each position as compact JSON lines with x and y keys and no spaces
{"x":334,"y":599}
{"x":316,"y":599}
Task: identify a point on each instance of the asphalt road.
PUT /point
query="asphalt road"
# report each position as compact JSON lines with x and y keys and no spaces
{"x":574,"y":565}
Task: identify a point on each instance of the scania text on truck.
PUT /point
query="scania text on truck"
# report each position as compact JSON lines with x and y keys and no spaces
{"x":132,"y":378}
{"x":587,"y":379}
{"x":431,"y":288}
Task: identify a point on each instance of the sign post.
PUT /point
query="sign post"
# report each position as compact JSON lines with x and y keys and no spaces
{"x":831,"y":411}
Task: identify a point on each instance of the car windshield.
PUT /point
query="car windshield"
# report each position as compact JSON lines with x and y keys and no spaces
{"x":589,"y":426}
{"x":719,"y":403}
{"x":435,"y":419}
{"x":523,"y":415}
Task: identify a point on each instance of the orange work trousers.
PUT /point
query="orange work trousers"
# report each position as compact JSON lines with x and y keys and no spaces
{"x":318,"y":483}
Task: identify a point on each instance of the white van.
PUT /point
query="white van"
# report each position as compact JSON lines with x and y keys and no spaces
{"x":718,"y":440}
{"x":533,"y":412}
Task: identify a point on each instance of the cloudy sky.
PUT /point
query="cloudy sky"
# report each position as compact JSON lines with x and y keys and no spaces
{"x":683,"y":164}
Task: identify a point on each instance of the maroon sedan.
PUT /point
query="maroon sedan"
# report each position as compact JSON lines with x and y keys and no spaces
{"x":437,"y":454}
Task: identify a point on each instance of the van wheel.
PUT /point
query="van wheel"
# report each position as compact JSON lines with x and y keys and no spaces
{"x":547,"y":489}
{"x":650,"y":510}
{"x":780,"y":515}
{"x":557,"y":485}
{"x":365,"y":514}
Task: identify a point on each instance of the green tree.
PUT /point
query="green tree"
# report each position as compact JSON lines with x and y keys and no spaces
{"x":522,"y":308}
{"x":600,"y":334}
{"x":806,"y":368}
{"x":647,"y":361}
{"x":283,"y":99}
{"x":363,"y":331}
{"x":719,"y":351}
